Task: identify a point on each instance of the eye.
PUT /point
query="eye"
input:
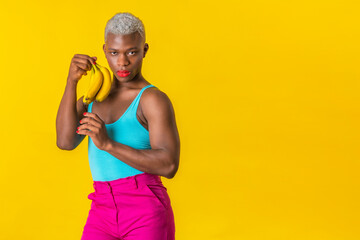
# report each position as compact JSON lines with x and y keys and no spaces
{"x":112,"y":53}
{"x":132,"y":52}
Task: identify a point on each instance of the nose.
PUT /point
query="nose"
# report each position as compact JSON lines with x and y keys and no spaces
{"x":122,"y":60}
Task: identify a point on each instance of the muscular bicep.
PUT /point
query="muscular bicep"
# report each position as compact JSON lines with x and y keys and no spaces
{"x":163,"y":132}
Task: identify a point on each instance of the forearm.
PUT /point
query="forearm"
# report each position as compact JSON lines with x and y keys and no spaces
{"x":67,"y":120}
{"x":154,"y":161}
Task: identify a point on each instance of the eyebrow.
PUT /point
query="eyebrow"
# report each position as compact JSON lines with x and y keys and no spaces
{"x":126,"y":50}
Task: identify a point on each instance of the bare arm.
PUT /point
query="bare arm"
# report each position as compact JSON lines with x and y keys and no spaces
{"x":70,"y":111}
{"x":163,"y":157}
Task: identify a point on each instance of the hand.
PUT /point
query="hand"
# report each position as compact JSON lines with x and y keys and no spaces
{"x":93,"y":126}
{"x":79,"y":66}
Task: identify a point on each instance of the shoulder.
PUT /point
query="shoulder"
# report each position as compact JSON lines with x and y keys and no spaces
{"x":154,"y":94}
{"x":154,"y":102}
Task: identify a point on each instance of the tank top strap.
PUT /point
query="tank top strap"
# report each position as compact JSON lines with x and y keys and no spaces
{"x":90,"y":107}
{"x":134,"y":104}
{"x":137,"y":99}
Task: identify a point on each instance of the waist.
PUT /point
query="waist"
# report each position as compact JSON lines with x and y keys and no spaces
{"x":131,"y":182}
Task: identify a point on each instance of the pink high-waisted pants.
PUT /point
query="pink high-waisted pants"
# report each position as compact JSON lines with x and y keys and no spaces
{"x":132,"y":208}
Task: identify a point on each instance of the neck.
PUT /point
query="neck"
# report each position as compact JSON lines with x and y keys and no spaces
{"x":129,"y":84}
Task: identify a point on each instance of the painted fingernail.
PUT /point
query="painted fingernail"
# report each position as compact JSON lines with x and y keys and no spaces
{"x":84,"y":113}
{"x":78,"y":128}
{"x":77,"y":131}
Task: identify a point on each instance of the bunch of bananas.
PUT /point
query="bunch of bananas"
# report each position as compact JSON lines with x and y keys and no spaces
{"x":100,"y":84}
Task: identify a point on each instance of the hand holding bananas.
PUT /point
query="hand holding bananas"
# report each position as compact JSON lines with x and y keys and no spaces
{"x":93,"y":126}
{"x":100,"y":84}
{"x":79,"y":66}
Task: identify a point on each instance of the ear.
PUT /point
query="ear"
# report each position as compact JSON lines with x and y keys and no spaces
{"x":146,"y":48}
{"x":104,"y":48}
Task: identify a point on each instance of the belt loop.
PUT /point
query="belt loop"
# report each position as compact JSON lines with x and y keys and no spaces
{"x":136,"y":182}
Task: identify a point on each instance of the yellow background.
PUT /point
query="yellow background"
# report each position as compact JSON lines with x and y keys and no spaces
{"x":266,"y":97}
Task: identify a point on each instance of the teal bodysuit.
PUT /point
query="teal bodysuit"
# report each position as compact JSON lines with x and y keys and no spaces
{"x":126,"y":130}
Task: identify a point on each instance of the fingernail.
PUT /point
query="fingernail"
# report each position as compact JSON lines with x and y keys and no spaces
{"x":84,"y":113}
{"x":77,"y":131}
{"x":78,"y":128}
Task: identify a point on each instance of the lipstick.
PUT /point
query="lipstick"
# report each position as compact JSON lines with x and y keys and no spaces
{"x":123,"y":73}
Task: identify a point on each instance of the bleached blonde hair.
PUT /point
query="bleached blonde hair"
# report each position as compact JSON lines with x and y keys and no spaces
{"x":124,"y":23}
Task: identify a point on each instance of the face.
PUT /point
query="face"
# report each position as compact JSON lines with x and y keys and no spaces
{"x":125,"y":52}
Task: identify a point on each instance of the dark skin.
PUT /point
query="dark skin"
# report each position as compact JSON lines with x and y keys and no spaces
{"x":155,"y":112}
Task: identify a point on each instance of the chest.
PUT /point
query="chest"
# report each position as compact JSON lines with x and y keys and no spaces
{"x":110,"y":112}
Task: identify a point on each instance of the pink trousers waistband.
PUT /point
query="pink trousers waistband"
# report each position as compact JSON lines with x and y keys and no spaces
{"x":131,"y":182}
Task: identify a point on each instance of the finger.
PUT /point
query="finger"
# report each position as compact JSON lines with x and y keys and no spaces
{"x":83,"y":65}
{"x":94,"y":116}
{"x":85,"y":58}
{"x":85,"y":132}
{"x":88,"y":126}
{"x":90,"y":121}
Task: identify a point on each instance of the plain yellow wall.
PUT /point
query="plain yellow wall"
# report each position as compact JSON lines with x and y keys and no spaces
{"x":266,"y":101}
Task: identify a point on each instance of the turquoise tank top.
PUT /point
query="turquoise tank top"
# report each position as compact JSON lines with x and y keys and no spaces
{"x":126,"y":130}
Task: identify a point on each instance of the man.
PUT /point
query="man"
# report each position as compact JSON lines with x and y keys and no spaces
{"x":133,"y":140}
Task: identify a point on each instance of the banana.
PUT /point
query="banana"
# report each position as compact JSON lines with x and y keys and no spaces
{"x":106,"y":86}
{"x":86,"y":100}
{"x":96,"y":80}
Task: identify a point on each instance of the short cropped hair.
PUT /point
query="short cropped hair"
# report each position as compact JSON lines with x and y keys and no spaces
{"x":124,"y":23}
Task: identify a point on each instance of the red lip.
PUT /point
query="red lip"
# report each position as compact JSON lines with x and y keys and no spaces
{"x":123,"y":73}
